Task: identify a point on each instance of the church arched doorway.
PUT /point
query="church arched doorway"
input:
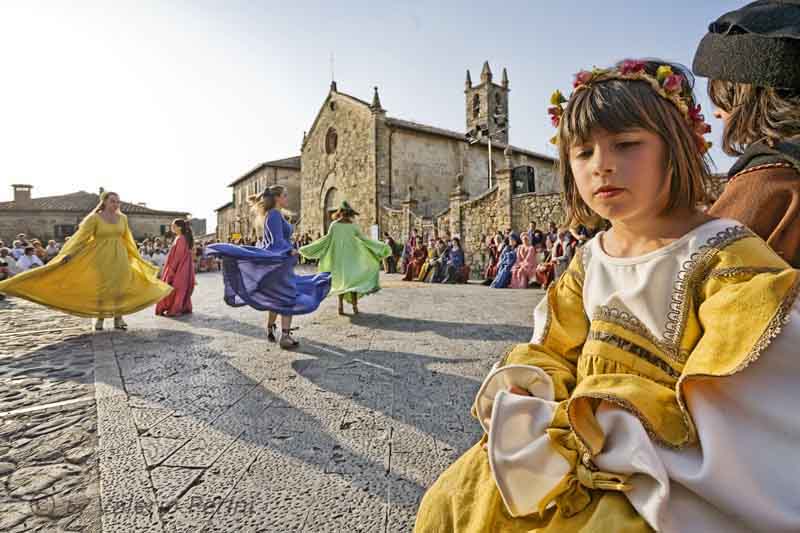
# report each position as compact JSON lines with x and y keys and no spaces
{"x":331,"y":204}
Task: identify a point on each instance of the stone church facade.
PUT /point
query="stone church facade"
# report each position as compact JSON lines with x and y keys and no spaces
{"x":355,"y":150}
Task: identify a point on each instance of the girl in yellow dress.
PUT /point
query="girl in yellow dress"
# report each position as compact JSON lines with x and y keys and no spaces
{"x":98,"y":272}
{"x":659,"y":390}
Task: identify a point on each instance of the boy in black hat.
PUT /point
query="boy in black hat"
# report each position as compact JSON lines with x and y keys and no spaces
{"x":752,"y":59}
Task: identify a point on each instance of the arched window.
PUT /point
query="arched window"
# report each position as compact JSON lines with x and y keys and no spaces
{"x":476,"y":106}
{"x":331,"y":140}
{"x":523,"y":179}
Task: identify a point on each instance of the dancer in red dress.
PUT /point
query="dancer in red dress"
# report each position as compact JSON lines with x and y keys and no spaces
{"x":179,"y":272}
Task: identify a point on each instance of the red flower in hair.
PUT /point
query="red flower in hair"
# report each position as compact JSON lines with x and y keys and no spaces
{"x":631,"y":66}
{"x":695,"y":115}
{"x":555,"y":115}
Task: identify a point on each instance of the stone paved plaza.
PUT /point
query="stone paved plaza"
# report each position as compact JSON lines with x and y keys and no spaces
{"x":201,"y":425}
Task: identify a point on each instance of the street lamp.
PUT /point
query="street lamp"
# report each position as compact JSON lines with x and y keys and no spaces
{"x":477,"y":134}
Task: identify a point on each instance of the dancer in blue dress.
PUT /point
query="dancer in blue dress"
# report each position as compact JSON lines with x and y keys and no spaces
{"x":263,"y":276}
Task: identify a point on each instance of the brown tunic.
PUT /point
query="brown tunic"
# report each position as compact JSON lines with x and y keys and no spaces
{"x":766,"y":198}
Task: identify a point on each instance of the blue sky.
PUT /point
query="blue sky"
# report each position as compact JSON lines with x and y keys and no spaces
{"x":167,"y":102}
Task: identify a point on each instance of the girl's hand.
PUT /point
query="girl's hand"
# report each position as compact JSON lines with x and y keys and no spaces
{"x":513,"y":389}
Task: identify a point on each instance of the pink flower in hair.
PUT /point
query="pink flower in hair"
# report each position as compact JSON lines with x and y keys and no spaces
{"x":631,"y":66}
{"x":581,"y":78}
{"x":673,"y":83}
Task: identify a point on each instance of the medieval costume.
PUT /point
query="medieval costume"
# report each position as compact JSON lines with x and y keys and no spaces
{"x":415,"y":262}
{"x":263,"y":277}
{"x":661,"y":396}
{"x":524,"y":269}
{"x":433,"y":255}
{"x":493,"y":263}
{"x":507,"y":259}
{"x":352,"y":259}
{"x":98,"y":273}
{"x":179,"y":273}
{"x":454,"y":268}
{"x":759,"y":45}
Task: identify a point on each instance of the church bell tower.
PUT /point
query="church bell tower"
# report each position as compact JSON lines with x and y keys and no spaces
{"x":487,"y":106}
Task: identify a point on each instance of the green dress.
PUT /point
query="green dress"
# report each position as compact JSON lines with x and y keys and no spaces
{"x":352,"y":259}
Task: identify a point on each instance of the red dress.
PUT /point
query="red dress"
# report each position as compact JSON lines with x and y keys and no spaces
{"x":178,"y":272}
{"x":418,"y":257}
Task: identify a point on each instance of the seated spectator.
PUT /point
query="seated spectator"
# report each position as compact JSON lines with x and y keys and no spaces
{"x":39,"y":250}
{"x":8,"y":259}
{"x":51,"y":250}
{"x":430,"y":261}
{"x":454,"y":271}
{"x":415,"y":262}
{"x":18,"y":248}
{"x":495,"y":249}
{"x":507,"y":259}
{"x":439,"y":265}
{"x":29,"y":260}
{"x":524,"y":269}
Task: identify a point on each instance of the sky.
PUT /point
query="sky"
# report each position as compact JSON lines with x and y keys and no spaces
{"x":167,"y":102}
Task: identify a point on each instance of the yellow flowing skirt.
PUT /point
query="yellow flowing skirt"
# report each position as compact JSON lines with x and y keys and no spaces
{"x":104,"y":278}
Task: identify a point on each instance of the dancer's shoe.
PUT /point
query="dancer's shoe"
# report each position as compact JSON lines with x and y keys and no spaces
{"x":271,"y":329}
{"x":287,"y":341}
{"x":98,"y":324}
{"x":119,"y":323}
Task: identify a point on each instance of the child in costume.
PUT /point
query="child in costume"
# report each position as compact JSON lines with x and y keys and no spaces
{"x":352,"y":259}
{"x":659,"y":389}
{"x":98,"y":272}
{"x":752,"y":57}
{"x":263,"y":277}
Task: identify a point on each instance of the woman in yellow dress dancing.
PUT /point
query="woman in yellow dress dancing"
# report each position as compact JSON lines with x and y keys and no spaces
{"x":98,"y":273}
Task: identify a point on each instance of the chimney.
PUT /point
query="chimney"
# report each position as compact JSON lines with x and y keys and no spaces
{"x":22,"y":193}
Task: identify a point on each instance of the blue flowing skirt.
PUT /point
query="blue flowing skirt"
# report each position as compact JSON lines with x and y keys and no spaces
{"x":266,"y":281}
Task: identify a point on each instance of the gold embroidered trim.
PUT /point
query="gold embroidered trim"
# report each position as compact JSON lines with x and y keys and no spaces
{"x":628,"y":321}
{"x":689,"y":278}
{"x":733,"y":272}
{"x":625,"y":405}
{"x":783,"y":164}
{"x":774,"y":327}
{"x":633,"y":349}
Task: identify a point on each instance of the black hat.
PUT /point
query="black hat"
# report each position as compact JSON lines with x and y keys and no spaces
{"x":758,"y":44}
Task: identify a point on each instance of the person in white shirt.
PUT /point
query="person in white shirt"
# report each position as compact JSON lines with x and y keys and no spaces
{"x":18,"y":249}
{"x":52,"y":249}
{"x":29,"y":260}
{"x":11,"y":263}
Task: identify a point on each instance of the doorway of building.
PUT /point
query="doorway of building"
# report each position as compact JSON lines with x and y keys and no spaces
{"x":331,"y":204}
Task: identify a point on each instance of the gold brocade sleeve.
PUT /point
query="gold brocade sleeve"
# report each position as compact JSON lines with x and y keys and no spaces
{"x":736,"y":303}
{"x":561,"y":330}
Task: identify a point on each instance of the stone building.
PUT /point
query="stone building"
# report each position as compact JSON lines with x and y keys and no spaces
{"x":56,"y":217}
{"x":354,"y":150}
{"x":234,"y":217}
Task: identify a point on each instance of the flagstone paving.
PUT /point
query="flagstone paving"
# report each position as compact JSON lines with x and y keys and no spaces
{"x":204,"y":426}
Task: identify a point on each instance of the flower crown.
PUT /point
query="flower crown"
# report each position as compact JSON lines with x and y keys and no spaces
{"x":666,"y":83}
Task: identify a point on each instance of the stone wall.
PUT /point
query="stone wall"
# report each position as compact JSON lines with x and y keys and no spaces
{"x":349,"y":168}
{"x":42,"y":225}
{"x":255,"y":184}
{"x":392,"y":222}
{"x":536,"y":207}
{"x":226,"y":223}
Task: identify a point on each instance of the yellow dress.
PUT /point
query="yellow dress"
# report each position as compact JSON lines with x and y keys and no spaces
{"x":104,"y":277}
{"x":635,"y":343}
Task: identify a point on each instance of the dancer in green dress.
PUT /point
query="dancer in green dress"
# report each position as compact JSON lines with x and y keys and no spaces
{"x":352,"y":259}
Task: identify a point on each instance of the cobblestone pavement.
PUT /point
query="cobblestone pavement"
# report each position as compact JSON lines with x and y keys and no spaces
{"x":48,"y":467}
{"x":204,"y":426}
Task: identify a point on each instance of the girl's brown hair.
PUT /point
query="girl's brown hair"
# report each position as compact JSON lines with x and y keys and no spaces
{"x":103,"y":197}
{"x":260,"y":204}
{"x":186,"y":230}
{"x":756,"y":114}
{"x":622,"y":105}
